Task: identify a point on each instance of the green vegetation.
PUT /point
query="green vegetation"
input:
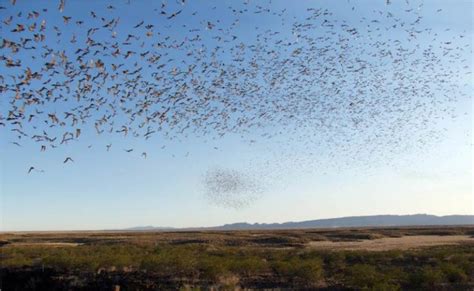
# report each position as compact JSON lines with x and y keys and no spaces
{"x":218,"y":263}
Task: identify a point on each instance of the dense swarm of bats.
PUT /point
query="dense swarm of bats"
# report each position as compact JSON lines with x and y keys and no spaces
{"x":231,"y":188}
{"x":364,"y":87}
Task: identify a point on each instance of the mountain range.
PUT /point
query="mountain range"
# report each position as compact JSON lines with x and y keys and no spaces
{"x":350,"y":221}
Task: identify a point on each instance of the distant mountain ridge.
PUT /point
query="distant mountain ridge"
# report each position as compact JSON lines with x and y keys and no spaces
{"x":350,"y":221}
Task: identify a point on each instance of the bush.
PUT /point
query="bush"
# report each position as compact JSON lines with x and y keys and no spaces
{"x":363,"y":276}
{"x":308,"y":270}
{"x":180,"y":260}
{"x":248,"y":265}
{"x":335,"y":262}
{"x":427,"y":277}
{"x":454,"y":274}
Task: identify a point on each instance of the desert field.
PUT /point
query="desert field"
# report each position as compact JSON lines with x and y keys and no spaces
{"x":441,"y":258}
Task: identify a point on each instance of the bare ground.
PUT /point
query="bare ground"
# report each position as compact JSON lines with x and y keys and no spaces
{"x":391,"y":243}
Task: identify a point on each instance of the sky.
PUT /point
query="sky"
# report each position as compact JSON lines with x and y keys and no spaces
{"x":116,"y":189}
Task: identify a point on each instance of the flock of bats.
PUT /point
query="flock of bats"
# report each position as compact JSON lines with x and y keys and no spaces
{"x":363,"y":86}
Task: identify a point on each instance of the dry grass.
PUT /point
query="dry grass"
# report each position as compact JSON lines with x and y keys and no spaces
{"x":258,"y":238}
{"x":393,"y":243}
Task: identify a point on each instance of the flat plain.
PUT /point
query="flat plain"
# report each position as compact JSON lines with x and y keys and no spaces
{"x":440,"y":258}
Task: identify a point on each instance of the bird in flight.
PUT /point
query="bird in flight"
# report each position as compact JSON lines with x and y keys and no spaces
{"x":34,"y":169}
{"x":62,"y":3}
{"x":68,"y":159}
{"x":175,"y":14}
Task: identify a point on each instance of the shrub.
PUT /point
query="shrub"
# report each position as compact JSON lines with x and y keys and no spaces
{"x":453,"y":273}
{"x":213,"y":267}
{"x":363,"y":276}
{"x":335,"y":262}
{"x":308,"y":270}
{"x":427,"y":277}
{"x":248,"y":265}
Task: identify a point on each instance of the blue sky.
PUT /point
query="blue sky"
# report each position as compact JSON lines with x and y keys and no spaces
{"x":103,"y":190}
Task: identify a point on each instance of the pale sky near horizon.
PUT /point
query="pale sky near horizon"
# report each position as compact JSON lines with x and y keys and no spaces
{"x":116,"y":189}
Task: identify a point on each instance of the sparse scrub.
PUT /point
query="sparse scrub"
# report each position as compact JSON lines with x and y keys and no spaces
{"x":206,"y":259}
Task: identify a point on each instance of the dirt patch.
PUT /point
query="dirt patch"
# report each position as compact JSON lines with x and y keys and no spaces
{"x":392,"y":243}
